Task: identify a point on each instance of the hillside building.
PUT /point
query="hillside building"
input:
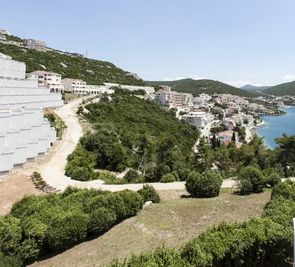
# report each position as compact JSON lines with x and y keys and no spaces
{"x":24,"y":132}
{"x":49,"y":80}
{"x":35,"y":44}
{"x":173,"y":99}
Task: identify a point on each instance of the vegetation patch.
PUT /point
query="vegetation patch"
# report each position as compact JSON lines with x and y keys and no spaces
{"x":38,"y":225}
{"x":133,"y":133}
{"x":265,"y":241}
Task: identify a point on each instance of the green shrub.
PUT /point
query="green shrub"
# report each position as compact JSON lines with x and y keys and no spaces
{"x":168,"y":178}
{"x":246,"y":187}
{"x":285,"y":190}
{"x":132,"y":176}
{"x":133,"y":202}
{"x":9,"y":261}
{"x":80,"y":164}
{"x":10,"y":234}
{"x":206,"y":184}
{"x":273,"y":179}
{"x":66,"y":229}
{"x":253,"y":176}
{"x":149,"y":194}
{"x":101,"y":219}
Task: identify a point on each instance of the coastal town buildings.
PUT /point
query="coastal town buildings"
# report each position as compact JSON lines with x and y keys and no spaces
{"x":24,"y":132}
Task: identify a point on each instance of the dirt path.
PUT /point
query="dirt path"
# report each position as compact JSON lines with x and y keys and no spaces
{"x":13,"y":188}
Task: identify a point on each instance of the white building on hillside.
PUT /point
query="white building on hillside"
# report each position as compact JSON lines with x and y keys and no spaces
{"x":35,"y":44}
{"x":73,"y":85}
{"x":48,"y":79}
{"x":173,"y":99}
{"x":24,"y":133}
{"x":201,"y":120}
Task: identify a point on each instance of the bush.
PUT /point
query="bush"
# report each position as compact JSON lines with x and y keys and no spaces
{"x":101,"y":219}
{"x":149,"y":193}
{"x":285,"y":190}
{"x":66,"y":229}
{"x":168,"y":178}
{"x":132,"y":176}
{"x":10,"y":234}
{"x":206,"y":184}
{"x":9,"y":261}
{"x":133,"y":202}
{"x":273,"y":179}
{"x":246,"y":187}
{"x":251,"y":175}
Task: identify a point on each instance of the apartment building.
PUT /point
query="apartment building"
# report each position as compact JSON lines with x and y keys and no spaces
{"x":49,"y":80}
{"x":173,"y":99}
{"x":24,"y":133}
{"x":35,"y":44}
{"x":74,"y":85}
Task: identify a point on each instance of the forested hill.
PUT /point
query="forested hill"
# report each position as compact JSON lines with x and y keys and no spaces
{"x":202,"y":86}
{"x":282,"y":89}
{"x":137,"y":133}
{"x":90,"y":70}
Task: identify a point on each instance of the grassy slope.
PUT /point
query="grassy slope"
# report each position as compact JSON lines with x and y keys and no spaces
{"x":282,"y":89}
{"x":90,"y":70}
{"x":202,"y":86}
{"x":172,"y":222}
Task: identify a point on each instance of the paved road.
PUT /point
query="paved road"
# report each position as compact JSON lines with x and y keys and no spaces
{"x":53,"y":170}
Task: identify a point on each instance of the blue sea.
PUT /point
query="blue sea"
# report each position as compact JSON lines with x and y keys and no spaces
{"x":275,"y":126}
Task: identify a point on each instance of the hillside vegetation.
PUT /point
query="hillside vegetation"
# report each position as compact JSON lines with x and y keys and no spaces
{"x":282,"y":89}
{"x":196,"y":87}
{"x":265,"y":241}
{"x":137,"y":133}
{"x":90,"y":70}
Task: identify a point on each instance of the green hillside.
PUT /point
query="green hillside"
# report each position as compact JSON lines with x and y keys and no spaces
{"x":282,"y":89}
{"x":90,"y":70}
{"x":202,"y":86}
{"x":137,"y":133}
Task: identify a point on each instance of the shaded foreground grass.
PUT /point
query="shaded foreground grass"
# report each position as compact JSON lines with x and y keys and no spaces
{"x":172,"y":222}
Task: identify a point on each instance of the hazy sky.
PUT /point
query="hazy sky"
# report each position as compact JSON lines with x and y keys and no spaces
{"x":235,"y":41}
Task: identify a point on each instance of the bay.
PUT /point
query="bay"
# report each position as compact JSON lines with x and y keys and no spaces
{"x":275,"y":126}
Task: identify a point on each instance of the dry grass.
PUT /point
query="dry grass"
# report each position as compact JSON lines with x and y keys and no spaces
{"x":171,"y":223}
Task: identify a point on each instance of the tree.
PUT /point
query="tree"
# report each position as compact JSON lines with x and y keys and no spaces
{"x":202,"y":185}
{"x":251,"y":175}
{"x":286,"y":151}
{"x":203,"y":158}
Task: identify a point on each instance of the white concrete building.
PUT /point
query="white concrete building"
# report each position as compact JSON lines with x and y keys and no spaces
{"x":201,"y":120}
{"x":173,"y":99}
{"x":24,"y":133}
{"x":74,"y":85}
{"x":49,"y":80}
{"x":35,"y":44}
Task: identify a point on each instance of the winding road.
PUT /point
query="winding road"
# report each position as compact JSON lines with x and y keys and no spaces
{"x":53,"y":171}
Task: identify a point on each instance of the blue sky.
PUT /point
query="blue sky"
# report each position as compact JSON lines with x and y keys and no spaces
{"x":235,"y":41}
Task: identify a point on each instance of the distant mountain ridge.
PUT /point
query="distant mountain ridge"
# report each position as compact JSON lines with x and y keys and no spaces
{"x":197,"y":87}
{"x":250,"y":87}
{"x":282,"y":89}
